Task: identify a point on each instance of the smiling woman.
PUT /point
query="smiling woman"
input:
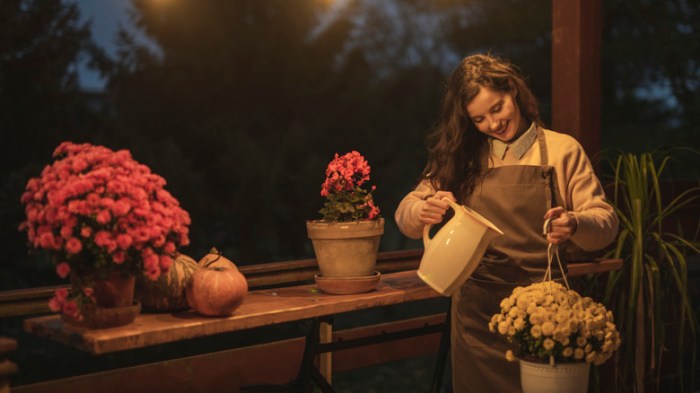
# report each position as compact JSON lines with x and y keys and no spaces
{"x":491,"y":153}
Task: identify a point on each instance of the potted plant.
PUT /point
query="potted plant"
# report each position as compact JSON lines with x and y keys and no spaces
{"x":346,"y":239}
{"x":103,"y":218}
{"x":557,"y":334}
{"x":650,"y":293}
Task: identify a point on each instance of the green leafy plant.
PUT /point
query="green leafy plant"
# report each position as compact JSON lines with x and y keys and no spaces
{"x":650,"y":292}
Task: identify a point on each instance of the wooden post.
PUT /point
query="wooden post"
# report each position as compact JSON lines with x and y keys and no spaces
{"x":7,"y":368}
{"x":576,"y":42}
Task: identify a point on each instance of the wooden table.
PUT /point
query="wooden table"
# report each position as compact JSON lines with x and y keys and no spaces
{"x":269,"y":307}
{"x":261,"y":308}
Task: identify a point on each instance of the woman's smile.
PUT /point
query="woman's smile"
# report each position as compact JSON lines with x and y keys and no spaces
{"x":495,"y":114}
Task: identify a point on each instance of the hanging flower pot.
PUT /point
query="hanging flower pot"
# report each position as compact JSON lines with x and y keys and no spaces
{"x":559,"y":331}
{"x":536,"y":377}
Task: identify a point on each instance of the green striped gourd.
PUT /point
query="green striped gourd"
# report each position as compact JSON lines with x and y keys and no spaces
{"x":167,"y":293}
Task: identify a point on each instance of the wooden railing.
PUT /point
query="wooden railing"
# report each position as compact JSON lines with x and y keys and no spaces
{"x":32,"y":301}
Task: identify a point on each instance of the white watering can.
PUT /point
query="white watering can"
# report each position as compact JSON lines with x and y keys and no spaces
{"x":451,"y":256}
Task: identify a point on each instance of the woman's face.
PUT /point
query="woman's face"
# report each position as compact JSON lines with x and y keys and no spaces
{"x":496,"y":114}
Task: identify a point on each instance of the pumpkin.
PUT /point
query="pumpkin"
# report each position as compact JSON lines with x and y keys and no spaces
{"x":216,"y":259}
{"x":217,"y":288}
{"x":167,"y":293}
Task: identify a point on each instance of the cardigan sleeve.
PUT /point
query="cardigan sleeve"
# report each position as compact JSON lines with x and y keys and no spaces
{"x":407,"y":213}
{"x":597,"y":223}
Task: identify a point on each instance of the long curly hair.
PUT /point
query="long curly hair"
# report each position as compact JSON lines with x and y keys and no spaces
{"x":457,"y":151}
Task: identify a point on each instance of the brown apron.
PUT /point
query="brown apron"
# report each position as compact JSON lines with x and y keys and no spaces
{"x":515,"y":198}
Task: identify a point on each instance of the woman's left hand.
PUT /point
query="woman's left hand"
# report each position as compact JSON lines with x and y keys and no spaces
{"x":562,"y":226}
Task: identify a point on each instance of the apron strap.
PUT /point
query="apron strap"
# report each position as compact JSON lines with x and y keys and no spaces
{"x":547,"y":170}
{"x":544,"y":157}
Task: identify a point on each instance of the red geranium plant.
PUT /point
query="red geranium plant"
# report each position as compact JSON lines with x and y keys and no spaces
{"x":347,"y":199}
{"x":96,"y":212}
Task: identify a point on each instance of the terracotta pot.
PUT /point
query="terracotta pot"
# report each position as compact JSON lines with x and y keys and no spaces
{"x":346,"y":249}
{"x":117,"y":290}
{"x":114,"y":304}
{"x":94,"y":317}
{"x":560,"y":378}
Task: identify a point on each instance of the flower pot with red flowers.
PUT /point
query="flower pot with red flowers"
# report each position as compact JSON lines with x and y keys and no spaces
{"x":105,"y":220}
{"x":346,"y":239}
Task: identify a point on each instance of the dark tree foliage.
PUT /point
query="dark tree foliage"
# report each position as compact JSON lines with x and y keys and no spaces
{"x":40,"y":106}
{"x":651,"y":74}
{"x":247,"y":104}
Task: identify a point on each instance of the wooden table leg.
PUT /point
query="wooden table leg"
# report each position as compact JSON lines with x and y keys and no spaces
{"x":7,"y":368}
{"x":325,"y":360}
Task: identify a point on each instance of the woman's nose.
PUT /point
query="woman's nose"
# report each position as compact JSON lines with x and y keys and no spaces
{"x":494,"y":124}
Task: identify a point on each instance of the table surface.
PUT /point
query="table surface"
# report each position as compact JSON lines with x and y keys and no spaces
{"x":261,"y":308}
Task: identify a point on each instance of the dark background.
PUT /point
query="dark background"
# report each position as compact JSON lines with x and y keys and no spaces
{"x":241,"y":104}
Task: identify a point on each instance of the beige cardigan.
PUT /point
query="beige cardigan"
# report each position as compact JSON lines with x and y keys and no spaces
{"x":580,"y":190}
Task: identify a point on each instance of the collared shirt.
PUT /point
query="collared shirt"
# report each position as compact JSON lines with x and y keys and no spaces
{"x":518,"y":147}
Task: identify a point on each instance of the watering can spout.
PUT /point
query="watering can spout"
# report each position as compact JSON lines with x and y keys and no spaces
{"x":452,"y":255}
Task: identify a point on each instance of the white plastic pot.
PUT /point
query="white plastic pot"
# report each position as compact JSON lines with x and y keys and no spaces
{"x":559,"y":378}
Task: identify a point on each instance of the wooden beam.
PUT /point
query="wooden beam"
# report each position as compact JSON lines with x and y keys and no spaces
{"x":576,"y":90}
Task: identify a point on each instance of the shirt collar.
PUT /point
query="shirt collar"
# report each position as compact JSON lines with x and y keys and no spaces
{"x":519,"y":147}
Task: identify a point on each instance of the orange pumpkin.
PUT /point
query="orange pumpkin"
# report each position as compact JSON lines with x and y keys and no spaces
{"x":216,"y":259}
{"x":214,"y":290}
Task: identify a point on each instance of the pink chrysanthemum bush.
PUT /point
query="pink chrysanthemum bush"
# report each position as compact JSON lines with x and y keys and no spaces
{"x":97,"y":211}
{"x":550,"y":323}
{"x":348,"y":199}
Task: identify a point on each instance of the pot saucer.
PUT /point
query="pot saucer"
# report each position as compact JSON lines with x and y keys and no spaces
{"x":347,"y":285}
{"x":103,"y":318}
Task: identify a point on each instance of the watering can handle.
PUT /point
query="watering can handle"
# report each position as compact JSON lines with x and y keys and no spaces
{"x":426,"y":228}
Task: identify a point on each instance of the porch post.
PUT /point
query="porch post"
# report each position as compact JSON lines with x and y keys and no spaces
{"x":576,"y":59}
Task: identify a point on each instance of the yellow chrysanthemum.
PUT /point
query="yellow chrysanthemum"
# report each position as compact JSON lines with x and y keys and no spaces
{"x":556,"y":315}
{"x":519,"y":324}
{"x":537,"y":318}
{"x":547,"y":328}
{"x":548,"y":344}
{"x":590,"y":357}
{"x":503,"y":327}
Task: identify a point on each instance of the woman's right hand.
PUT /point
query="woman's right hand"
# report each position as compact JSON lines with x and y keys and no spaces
{"x":435,"y":207}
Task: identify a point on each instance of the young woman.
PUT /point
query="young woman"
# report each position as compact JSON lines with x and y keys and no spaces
{"x":489,"y":151}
